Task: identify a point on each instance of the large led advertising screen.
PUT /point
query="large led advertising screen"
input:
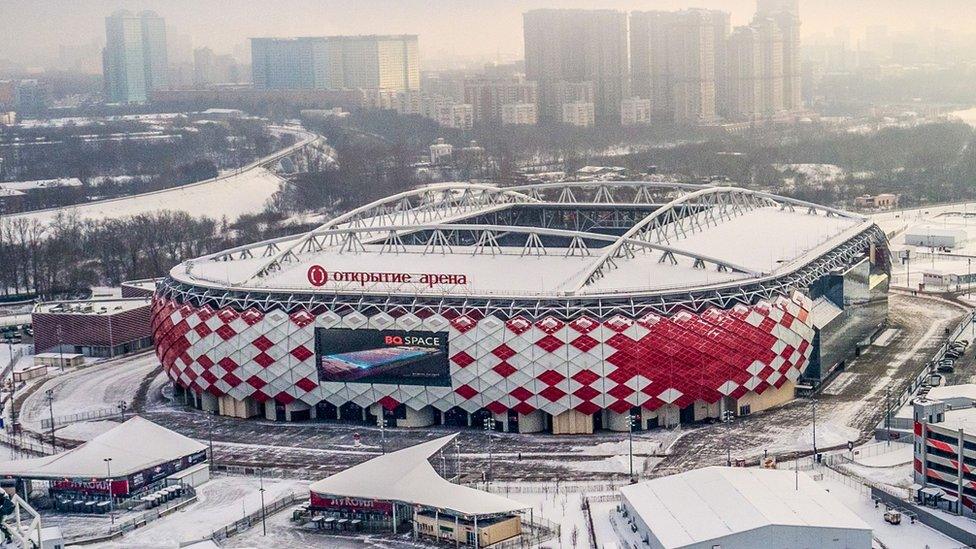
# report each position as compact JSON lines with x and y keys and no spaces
{"x":382,"y":356}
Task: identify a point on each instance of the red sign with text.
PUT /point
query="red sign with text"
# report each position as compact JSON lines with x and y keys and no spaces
{"x":319,"y":276}
{"x":119,"y":487}
{"x":329,"y":503}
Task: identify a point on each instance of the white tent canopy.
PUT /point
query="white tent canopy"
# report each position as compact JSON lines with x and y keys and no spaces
{"x":406,"y":476}
{"x":134,"y":446}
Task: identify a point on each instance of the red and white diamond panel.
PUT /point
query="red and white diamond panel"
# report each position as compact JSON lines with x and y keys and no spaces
{"x":585,"y":364}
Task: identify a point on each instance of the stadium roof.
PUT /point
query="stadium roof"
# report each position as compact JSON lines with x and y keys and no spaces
{"x":407,"y":476}
{"x":134,"y":446}
{"x":705,"y":504}
{"x":695,"y":237}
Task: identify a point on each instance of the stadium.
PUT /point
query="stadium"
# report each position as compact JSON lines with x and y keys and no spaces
{"x":563,"y":307}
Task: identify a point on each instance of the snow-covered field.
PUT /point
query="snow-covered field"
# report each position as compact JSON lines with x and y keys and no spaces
{"x":230,"y":196}
{"x":968,"y":116}
{"x":220,"y":502}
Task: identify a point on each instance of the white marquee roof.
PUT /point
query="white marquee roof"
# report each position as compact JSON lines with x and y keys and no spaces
{"x":136,"y":445}
{"x":710,"y":503}
{"x":407,"y":476}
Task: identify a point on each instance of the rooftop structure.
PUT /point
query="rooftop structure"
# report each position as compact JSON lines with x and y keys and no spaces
{"x":665,"y":252}
{"x":406,"y":476}
{"x":135,"y":446}
{"x":91,"y":306}
{"x":740,"y":507}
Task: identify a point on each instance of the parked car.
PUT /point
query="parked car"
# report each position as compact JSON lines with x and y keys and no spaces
{"x":892,"y":517}
{"x":945,"y":368}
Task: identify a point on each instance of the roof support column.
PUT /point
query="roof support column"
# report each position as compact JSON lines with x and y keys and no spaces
{"x":476,"y":540}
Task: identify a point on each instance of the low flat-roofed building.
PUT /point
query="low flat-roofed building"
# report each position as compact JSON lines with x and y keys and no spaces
{"x":56,"y":359}
{"x":736,"y":508}
{"x":139,"y":288}
{"x":94,"y":327}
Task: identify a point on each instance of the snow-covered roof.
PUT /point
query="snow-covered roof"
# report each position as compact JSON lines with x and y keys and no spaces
{"x":714,"y":502}
{"x":824,"y":311}
{"x":681,"y":237}
{"x":407,"y":476}
{"x":964,"y":391}
{"x":766,"y":241}
{"x":954,"y":420}
{"x":134,"y":446}
{"x":92,"y":306}
{"x":41,"y":184}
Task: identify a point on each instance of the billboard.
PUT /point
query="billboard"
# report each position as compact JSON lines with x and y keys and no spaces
{"x":382,"y":356}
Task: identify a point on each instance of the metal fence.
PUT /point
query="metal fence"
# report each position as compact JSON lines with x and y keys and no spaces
{"x":60,"y":421}
{"x":27,"y":445}
{"x":250,"y":520}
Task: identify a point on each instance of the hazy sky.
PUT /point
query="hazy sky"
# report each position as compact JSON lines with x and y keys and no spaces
{"x":32,"y":30}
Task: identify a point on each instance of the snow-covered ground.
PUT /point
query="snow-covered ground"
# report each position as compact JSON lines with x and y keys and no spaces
{"x":968,"y":116}
{"x":219,"y":503}
{"x":230,"y":196}
{"x":89,"y":389}
{"x":904,"y":536}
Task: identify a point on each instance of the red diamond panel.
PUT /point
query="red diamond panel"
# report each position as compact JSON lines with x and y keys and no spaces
{"x":504,"y":369}
{"x":301,"y":352}
{"x":503,"y":352}
{"x":549,"y":343}
{"x":462,"y":359}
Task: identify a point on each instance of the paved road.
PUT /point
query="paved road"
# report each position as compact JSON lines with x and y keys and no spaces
{"x":852,"y":404}
{"x":89,"y":389}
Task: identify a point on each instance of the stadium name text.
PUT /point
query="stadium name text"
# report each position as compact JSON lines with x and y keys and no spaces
{"x":319,"y":276}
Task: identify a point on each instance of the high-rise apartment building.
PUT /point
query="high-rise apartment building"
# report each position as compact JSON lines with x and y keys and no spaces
{"x":577,"y":46}
{"x":786,"y":15}
{"x":134,"y":61}
{"x":745,"y":75}
{"x":635,"y":111}
{"x":771,"y":70}
{"x":679,"y":62}
{"x":520,"y":114}
{"x":336,"y":62}
{"x":489,"y":96}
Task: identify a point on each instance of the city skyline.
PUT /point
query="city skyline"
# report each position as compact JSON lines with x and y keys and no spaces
{"x":475,"y":32}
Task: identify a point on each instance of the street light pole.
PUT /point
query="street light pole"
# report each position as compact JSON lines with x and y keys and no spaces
{"x":488,"y":430}
{"x":727,"y":417}
{"x":49,"y":394}
{"x":210,"y":437}
{"x":111,"y":496}
{"x":382,"y":421}
{"x":814,"y":427}
{"x":630,"y":437}
{"x":888,"y":415}
{"x":457,"y":459}
{"x":264,"y":526}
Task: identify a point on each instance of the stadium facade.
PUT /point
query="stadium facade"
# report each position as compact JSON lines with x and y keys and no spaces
{"x":565,"y":307}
